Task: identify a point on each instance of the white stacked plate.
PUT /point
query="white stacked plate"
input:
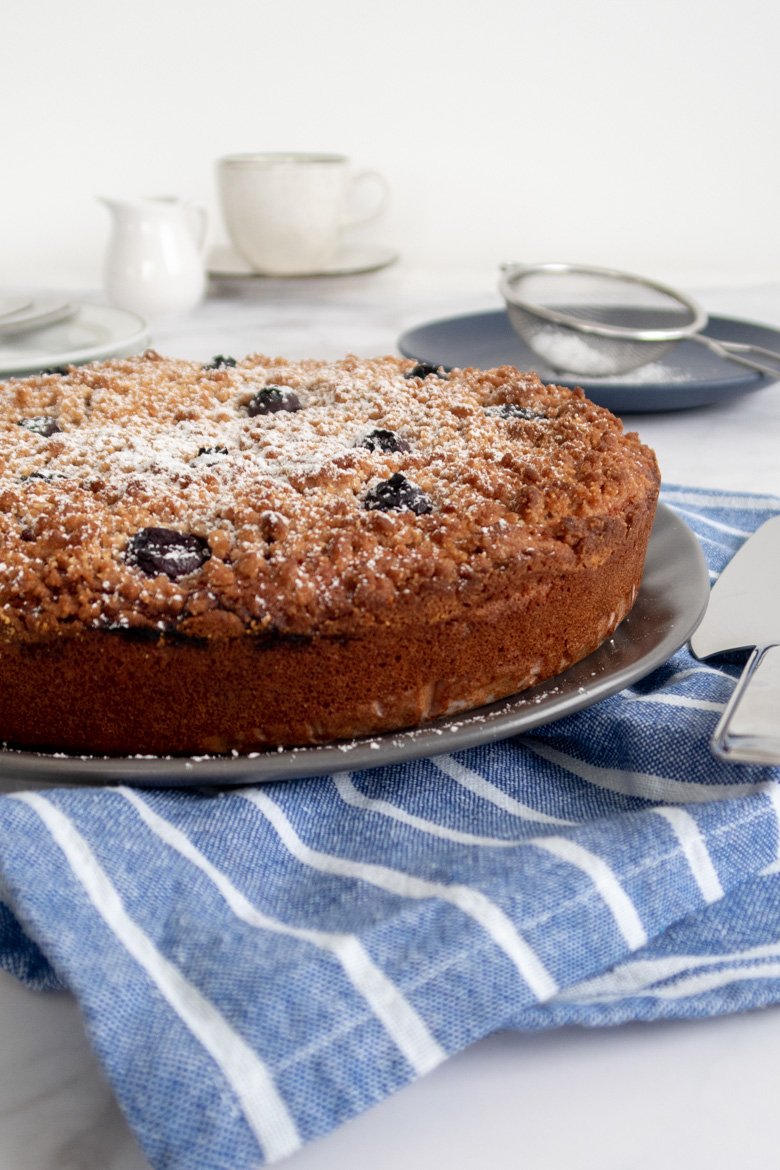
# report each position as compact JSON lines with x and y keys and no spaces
{"x":39,"y":332}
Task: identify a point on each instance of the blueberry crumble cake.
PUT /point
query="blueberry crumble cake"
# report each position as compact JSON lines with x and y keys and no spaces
{"x":222,"y":557}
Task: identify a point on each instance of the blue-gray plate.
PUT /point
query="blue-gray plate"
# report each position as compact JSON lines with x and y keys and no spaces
{"x":687,"y":375}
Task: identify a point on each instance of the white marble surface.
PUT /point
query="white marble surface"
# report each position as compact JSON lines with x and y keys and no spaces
{"x":638,"y":1096}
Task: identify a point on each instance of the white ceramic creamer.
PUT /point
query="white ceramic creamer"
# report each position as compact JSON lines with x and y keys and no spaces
{"x":154,"y":261}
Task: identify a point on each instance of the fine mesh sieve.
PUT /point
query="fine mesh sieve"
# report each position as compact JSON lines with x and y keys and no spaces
{"x":599,"y":322}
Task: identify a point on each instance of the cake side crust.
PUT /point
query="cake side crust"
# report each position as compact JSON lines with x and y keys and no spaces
{"x":211,"y":695}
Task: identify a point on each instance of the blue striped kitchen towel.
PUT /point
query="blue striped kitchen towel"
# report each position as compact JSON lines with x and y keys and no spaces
{"x":257,"y":967}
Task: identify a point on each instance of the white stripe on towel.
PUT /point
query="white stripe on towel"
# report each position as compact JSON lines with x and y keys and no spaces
{"x":718,"y":524}
{"x":352,"y":795}
{"x":404,"y":1026}
{"x":637,"y":976}
{"x":695,"y":850}
{"x":676,"y":701}
{"x":469,"y":901}
{"x":249,"y":1078}
{"x":704,"y":500}
{"x":604,"y":879}
{"x":642,"y":785}
{"x":712,"y":980}
{"x":492,"y":793}
{"x":702,"y":668}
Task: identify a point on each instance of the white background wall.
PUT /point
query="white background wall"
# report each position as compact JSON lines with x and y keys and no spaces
{"x":643,"y":135}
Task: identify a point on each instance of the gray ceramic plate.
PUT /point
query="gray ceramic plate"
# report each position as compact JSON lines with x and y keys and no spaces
{"x":671,"y":602}
{"x":687,"y":375}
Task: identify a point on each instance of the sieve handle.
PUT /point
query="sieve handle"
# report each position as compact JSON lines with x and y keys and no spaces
{"x":734,"y":349}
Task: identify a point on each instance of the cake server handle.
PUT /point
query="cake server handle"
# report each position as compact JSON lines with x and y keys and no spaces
{"x":749,"y":729}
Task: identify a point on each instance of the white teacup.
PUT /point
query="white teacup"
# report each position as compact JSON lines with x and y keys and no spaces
{"x":284,"y":212}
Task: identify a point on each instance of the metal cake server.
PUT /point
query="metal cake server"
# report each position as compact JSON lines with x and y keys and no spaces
{"x":744,"y":613}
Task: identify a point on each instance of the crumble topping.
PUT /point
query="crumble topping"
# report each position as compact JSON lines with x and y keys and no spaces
{"x":295,"y":495}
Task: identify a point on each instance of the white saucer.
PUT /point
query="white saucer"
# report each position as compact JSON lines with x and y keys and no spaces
{"x":11,"y":305}
{"x":36,"y":314}
{"x":350,"y":260}
{"x":93,"y":332}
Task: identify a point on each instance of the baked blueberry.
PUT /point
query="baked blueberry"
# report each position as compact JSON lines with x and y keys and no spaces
{"x":512,"y":410}
{"x":219,"y":362}
{"x":212,"y":451}
{"x":41,"y":424}
{"x":164,"y":550}
{"x":62,"y":370}
{"x":424,"y":370}
{"x":397,"y":494}
{"x":383,"y":440}
{"x":46,"y":476}
{"x":272,"y":399}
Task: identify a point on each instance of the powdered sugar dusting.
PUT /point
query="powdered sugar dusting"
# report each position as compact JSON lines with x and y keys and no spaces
{"x":280,"y":498}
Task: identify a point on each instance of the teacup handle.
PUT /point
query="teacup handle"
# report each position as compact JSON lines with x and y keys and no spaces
{"x":198,"y":218}
{"x":383,"y":191}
